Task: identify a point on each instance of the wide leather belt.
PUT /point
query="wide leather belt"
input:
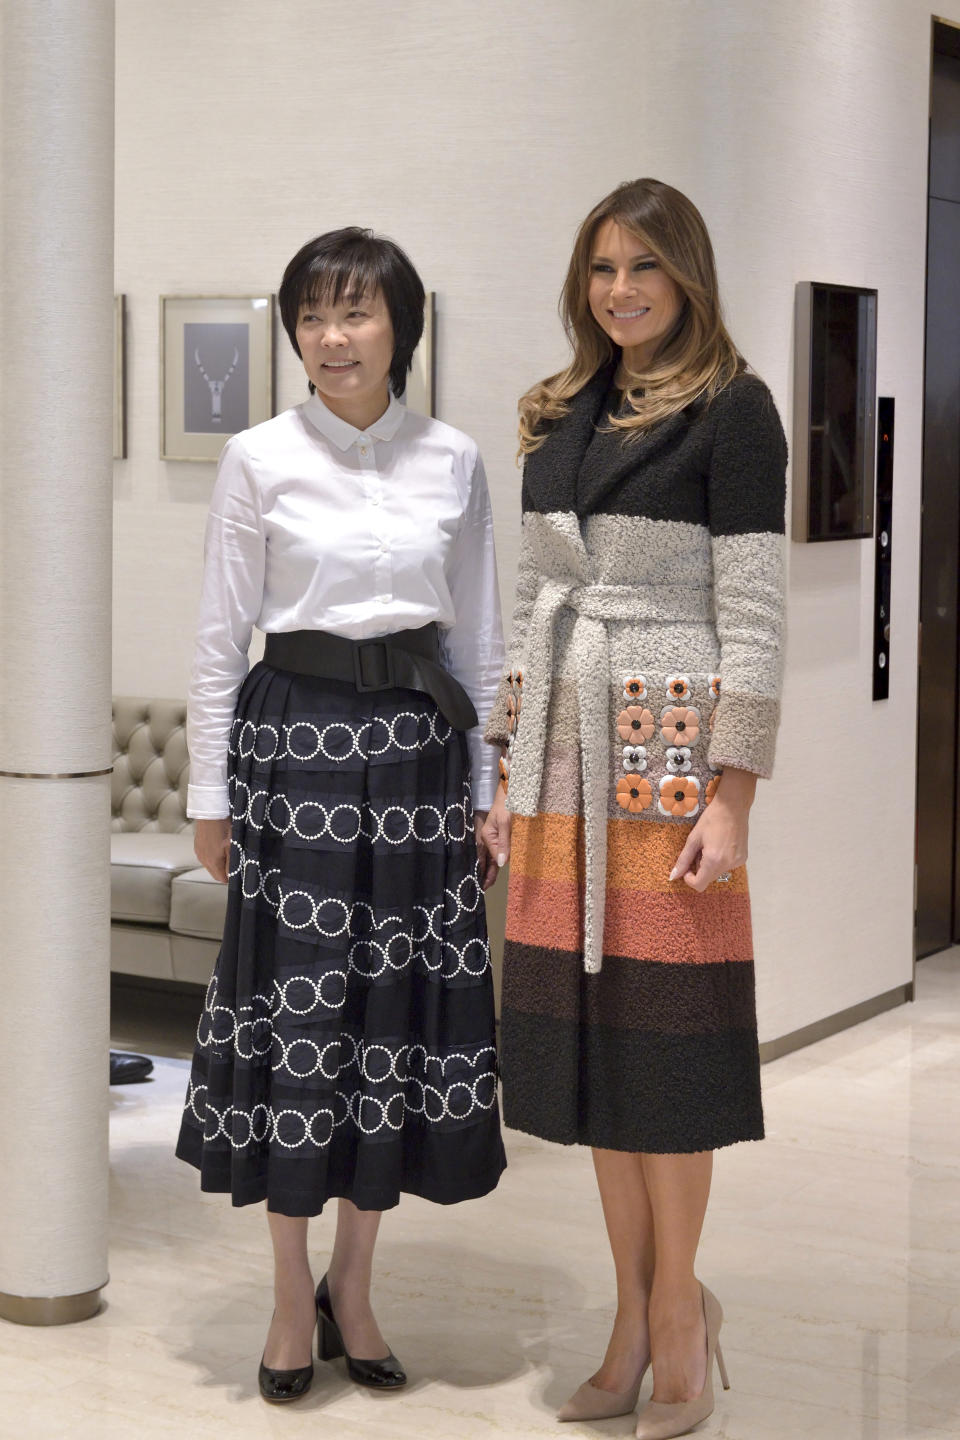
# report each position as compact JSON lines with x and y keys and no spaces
{"x":409,"y":659}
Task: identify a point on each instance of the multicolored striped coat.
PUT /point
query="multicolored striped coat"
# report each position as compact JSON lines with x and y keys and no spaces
{"x":647,"y":642}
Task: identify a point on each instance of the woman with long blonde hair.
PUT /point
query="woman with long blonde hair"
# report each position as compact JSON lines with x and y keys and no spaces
{"x":640,"y":706}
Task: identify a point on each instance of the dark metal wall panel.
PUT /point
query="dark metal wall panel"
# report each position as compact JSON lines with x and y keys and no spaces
{"x":939,"y":593}
{"x":945,"y":128}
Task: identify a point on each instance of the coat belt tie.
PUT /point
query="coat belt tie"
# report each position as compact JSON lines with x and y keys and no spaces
{"x":595,"y":605}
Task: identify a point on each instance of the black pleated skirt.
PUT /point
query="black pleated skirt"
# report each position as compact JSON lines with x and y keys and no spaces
{"x":347,"y":1046}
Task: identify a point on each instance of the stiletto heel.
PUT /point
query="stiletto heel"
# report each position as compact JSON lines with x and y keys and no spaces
{"x":659,"y":1421}
{"x":590,"y":1402}
{"x":722,"y":1368}
{"x":385,"y":1374}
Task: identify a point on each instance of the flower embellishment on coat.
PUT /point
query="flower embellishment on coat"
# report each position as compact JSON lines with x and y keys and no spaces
{"x":511,"y":713}
{"x":635,"y":688}
{"x":680,"y":725}
{"x":634,"y":757}
{"x":635,"y":724}
{"x":678,"y":759}
{"x":504,"y":773}
{"x":515,"y":681}
{"x":634,"y":795}
{"x":679,"y":795}
{"x":711,"y":789}
{"x":678,"y":687}
{"x":713,"y":683}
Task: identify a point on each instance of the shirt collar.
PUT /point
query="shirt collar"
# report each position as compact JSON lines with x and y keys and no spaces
{"x":342,"y":434}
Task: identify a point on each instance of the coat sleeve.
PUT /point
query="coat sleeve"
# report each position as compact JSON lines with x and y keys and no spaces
{"x":746,"y":498}
{"x":500,"y":720}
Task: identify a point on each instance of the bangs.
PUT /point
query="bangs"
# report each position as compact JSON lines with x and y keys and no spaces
{"x":332,"y":279}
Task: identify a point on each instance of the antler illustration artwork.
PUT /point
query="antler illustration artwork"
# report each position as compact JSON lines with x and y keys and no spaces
{"x":216,"y":386}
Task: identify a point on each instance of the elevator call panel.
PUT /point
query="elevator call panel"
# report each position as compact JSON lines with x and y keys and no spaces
{"x":884,"y":522}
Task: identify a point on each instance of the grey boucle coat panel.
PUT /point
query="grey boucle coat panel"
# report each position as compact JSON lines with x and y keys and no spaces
{"x":688,"y":520}
{"x":656,"y":561}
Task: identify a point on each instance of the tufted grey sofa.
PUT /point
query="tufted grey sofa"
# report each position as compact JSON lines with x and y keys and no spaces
{"x":167,"y":913}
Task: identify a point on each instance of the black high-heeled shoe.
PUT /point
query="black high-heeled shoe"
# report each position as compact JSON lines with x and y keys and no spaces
{"x":278,"y":1386}
{"x":385,"y":1374}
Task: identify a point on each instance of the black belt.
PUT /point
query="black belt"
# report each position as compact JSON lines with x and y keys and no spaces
{"x":409,"y":659}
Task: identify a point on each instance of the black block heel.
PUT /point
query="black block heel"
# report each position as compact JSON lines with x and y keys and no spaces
{"x":329,"y":1339}
{"x":386,"y":1374}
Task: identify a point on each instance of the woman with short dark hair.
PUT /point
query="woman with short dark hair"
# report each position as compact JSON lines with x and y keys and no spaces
{"x":346,"y":1048}
{"x":640,"y":705}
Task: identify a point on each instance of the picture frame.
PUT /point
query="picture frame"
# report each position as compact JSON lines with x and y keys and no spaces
{"x":835,"y":408}
{"x":119,"y":377}
{"x":216,"y":371}
{"x":420,"y":394}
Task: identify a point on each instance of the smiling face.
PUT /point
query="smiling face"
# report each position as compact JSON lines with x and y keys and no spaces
{"x":347,"y":350}
{"x":631,"y":298}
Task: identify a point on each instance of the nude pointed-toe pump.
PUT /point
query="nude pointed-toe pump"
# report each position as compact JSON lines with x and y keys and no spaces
{"x":592,"y":1403}
{"x":658,"y":1421}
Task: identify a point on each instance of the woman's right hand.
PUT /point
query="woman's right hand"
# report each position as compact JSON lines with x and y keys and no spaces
{"x":496,"y":828}
{"x":212,"y":847}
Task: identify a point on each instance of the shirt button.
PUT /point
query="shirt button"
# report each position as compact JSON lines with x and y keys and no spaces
{"x":384,"y":599}
{"x":374,"y":499}
{"x":363,"y":449}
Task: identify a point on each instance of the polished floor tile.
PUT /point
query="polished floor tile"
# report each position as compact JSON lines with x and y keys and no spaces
{"x":834,"y":1246}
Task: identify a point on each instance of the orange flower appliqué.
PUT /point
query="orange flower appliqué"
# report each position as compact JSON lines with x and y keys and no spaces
{"x":713,"y":681}
{"x":635,"y":724}
{"x":635,"y":688}
{"x":678,"y":687}
{"x":711,"y":789}
{"x":511,"y":713}
{"x":679,"y":795}
{"x":680,"y":725}
{"x":504,"y":772}
{"x":634,"y":794}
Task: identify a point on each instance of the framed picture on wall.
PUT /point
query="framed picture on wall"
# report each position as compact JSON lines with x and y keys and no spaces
{"x":119,"y":377}
{"x":419,"y":394}
{"x":216,"y":371}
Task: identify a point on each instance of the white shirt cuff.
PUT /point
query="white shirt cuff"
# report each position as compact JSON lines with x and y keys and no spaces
{"x":208,"y":802}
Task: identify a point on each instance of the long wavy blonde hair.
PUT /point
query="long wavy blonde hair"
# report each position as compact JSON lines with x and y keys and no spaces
{"x":697,"y":357}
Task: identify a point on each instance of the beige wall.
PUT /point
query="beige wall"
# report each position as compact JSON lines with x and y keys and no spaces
{"x":478,"y":135}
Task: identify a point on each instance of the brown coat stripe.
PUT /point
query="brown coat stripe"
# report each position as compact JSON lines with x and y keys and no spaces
{"x":632,"y":995}
{"x":677,"y":928}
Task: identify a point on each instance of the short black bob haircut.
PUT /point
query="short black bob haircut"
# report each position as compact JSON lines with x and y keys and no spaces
{"x":356,"y":262}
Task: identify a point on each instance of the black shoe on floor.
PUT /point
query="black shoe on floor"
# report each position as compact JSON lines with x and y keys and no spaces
{"x":278,"y":1386}
{"x":125,"y":1067}
{"x":385,"y":1374}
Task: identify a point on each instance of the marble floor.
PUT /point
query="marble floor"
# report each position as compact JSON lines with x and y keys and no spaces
{"x":834,"y":1246}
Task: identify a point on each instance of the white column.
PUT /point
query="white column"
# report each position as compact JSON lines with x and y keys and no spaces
{"x":56,"y":389}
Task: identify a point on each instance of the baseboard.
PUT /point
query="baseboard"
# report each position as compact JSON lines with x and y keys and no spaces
{"x":121,"y":980}
{"x":833,"y":1024}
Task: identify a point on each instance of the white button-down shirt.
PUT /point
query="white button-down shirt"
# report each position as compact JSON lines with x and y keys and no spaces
{"x":315,"y":525}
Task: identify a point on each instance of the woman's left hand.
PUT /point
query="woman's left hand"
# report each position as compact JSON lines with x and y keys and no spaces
{"x":717,"y":843}
{"x":489,"y":870}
